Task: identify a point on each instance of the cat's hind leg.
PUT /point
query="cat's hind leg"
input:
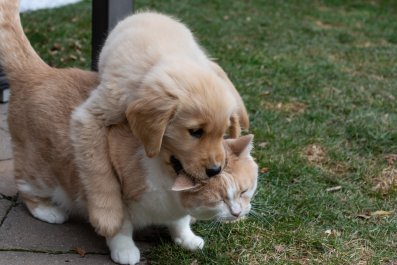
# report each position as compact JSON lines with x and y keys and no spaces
{"x":41,"y":207}
{"x":36,"y":183}
{"x":49,"y":213}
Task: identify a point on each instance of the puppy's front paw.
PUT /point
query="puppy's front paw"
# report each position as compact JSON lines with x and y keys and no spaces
{"x":191,"y":242}
{"x":123,"y":249}
{"x":126,"y":254}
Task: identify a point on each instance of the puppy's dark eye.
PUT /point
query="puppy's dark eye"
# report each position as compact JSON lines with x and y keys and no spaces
{"x":243,"y":192}
{"x":197,"y":133}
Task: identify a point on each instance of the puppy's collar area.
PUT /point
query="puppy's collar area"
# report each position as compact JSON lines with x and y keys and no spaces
{"x":178,"y":168}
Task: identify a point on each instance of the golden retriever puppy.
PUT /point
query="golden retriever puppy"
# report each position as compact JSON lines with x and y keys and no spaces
{"x":178,"y":103}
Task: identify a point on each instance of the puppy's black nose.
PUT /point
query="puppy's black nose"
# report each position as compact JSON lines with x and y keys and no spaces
{"x":212,"y":171}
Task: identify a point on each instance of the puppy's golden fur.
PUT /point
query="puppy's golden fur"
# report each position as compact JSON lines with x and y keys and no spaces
{"x":177,"y":102}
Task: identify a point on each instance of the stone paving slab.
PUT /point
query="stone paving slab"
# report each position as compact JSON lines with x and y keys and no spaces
{"x":4,"y":206}
{"x":3,"y":123}
{"x":20,"y":230}
{"x":5,"y":139}
{"x":18,"y":258}
{"x":3,"y":108}
{"x":5,"y":145}
{"x":7,"y":182}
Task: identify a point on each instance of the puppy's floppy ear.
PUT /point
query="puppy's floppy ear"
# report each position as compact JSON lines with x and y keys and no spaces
{"x":148,"y":118}
{"x":241,"y":114}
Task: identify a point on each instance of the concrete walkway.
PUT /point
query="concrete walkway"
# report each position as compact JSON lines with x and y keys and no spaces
{"x":26,"y":240}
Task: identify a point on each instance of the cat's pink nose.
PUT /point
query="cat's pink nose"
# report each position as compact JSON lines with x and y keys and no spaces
{"x":236,"y":212}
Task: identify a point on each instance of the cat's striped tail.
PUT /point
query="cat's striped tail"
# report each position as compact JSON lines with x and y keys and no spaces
{"x":17,"y":57}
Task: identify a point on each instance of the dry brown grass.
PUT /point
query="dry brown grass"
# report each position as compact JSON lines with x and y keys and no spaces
{"x":291,"y":108}
{"x":315,"y":154}
{"x":387,"y":180}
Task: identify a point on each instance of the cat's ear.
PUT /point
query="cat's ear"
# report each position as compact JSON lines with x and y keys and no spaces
{"x":183,"y":183}
{"x":242,"y":146}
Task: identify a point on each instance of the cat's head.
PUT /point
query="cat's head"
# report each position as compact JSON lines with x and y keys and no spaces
{"x":227,"y":196}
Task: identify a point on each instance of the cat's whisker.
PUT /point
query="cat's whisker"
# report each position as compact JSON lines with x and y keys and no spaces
{"x":262,"y":208}
{"x":262,"y":212}
{"x":217,"y":226}
{"x":258,"y":216}
{"x":207,"y":225}
{"x":213,"y":226}
{"x":220,"y":220}
{"x":259,"y":204}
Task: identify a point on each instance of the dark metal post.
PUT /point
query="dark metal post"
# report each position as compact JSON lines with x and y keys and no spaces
{"x":105,"y":15}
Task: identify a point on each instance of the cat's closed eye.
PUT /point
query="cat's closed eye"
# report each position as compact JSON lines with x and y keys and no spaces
{"x":243,"y":192}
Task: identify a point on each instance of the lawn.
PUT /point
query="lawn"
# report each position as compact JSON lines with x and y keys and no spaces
{"x":319,"y":79}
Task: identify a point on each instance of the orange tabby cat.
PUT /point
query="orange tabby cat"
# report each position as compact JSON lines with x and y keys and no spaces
{"x":153,"y":195}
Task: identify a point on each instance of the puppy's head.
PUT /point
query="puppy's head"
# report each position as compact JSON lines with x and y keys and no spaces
{"x":183,"y":113}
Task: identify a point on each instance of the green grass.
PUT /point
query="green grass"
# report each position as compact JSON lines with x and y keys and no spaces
{"x":320,"y":73}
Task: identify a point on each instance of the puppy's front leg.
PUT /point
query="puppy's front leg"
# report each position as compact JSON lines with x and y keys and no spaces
{"x":183,"y":235}
{"x":122,"y":247}
{"x":89,"y":137}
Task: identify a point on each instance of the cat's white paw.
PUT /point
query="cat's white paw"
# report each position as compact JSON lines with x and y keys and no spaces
{"x":124,"y":251}
{"x":193,"y":220}
{"x":49,"y":214}
{"x":130,"y":256}
{"x":190,"y":242}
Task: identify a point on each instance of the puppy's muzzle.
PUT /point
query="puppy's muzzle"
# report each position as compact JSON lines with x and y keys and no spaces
{"x":213,"y":170}
{"x":178,"y":168}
